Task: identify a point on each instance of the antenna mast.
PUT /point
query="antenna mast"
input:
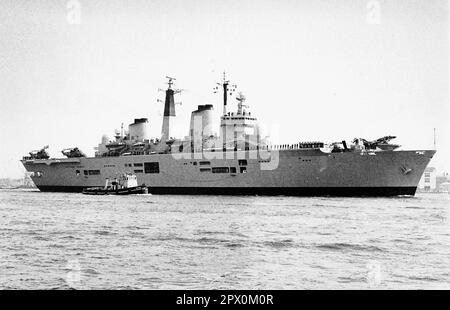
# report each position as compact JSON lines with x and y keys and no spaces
{"x":225,"y":83}
{"x":170,"y":82}
{"x":434,"y":138}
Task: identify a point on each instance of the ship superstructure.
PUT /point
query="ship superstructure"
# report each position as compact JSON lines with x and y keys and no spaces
{"x":237,"y":160}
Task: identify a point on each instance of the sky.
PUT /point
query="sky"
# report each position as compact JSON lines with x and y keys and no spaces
{"x":324,"y":70}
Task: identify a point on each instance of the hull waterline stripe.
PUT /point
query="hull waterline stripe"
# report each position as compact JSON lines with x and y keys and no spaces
{"x":272,"y":191}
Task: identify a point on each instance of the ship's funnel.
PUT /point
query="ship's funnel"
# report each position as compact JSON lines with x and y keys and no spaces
{"x":202,"y":121}
{"x":139,"y":130}
{"x":201,"y":126}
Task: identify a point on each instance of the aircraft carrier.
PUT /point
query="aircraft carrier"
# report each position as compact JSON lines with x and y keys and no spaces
{"x":238,"y":160}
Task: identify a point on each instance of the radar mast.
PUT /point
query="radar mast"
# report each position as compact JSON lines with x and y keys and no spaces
{"x":227,"y":89}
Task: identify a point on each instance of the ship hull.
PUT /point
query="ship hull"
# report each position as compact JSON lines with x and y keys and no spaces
{"x":287,"y":172}
{"x":259,"y":191}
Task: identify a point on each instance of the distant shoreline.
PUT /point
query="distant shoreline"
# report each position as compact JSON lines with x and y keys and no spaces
{"x":17,"y":187}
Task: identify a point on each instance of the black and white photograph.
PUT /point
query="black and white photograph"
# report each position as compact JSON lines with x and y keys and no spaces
{"x":218,"y":146}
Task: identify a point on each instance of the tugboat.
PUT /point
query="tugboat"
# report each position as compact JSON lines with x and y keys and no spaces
{"x":125,"y":185}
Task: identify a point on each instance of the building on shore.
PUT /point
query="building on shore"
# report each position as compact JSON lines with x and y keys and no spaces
{"x":428,"y":181}
{"x":444,"y":187}
{"x":26,"y":182}
{"x":443,"y":183}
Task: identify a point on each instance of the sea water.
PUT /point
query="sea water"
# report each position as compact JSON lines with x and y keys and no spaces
{"x":75,"y":241}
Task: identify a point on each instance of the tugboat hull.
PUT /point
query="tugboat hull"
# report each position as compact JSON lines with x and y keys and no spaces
{"x":122,"y":191}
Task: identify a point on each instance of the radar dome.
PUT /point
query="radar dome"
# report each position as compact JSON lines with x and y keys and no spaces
{"x":105,"y":139}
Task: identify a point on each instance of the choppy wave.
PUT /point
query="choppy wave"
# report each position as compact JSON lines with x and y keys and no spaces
{"x":280,"y":243}
{"x":348,"y":246}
